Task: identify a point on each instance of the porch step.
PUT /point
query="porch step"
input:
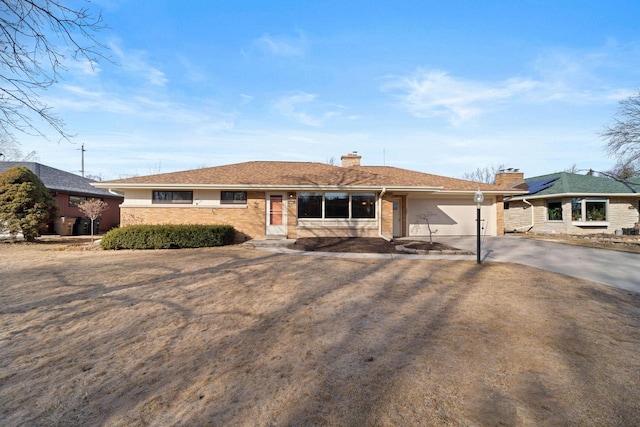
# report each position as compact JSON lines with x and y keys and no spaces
{"x":269,"y":242}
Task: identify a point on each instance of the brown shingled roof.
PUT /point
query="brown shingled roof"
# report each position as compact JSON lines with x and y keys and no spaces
{"x":299,"y":174}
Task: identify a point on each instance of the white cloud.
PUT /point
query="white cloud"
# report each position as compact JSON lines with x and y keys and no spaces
{"x":572,"y":77}
{"x":200,"y":118}
{"x":191,"y":71}
{"x":135,"y":62}
{"x":245,"y":99}
{"x":289,"y":107}
{"x":437,"y":94}
{"x":83,"y":66}
{"x":581,"y":77}
{"x":303,"y":108}
{"x":76,"y":98}
{"x":283,"y":45}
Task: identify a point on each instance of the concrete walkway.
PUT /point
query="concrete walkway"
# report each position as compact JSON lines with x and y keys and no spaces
{"x":613,"y":268}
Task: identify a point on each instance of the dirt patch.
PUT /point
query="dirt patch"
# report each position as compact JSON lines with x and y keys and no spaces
{"x":236,"y":336}
{"x":361,"y":245}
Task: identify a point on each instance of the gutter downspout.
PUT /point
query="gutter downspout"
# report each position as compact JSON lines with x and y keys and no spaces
{"x":384,"y":190}
{"x":530,"y":226}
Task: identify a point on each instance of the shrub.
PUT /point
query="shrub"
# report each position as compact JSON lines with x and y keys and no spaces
{"x":25,"y":203}
{"x":168,"y":236}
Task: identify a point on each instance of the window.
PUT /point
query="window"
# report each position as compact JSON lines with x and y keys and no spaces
{"x":506,"y":205}
{"x":576,"y":209}
{"x":363,"y":205}
{"x":589,"y":210}
{"x":172,"y":197}
{"x":74,"y":201}
{"x":309,"y":205}
{"x":596,"y":210}
{"x":336,"y":205}
{"x":233,"y":197}
{"x":554,"y":210}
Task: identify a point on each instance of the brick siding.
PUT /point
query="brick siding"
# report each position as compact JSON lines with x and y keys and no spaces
{"x":387,"y":216}
{"x":249,"y":221}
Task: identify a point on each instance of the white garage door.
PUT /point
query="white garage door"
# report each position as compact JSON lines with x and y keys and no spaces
{"x":451,"y":217}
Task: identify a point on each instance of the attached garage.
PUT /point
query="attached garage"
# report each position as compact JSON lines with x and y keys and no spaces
{"x":450,"y":216}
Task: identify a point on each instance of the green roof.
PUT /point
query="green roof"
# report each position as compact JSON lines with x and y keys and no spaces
{"x":561,"y":183}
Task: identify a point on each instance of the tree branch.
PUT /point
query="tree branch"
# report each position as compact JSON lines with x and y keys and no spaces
{"x":624,"y":135}
{"x":37,"y":37}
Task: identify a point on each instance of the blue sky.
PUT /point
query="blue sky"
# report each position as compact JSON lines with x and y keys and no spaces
{"x":443,"y":87}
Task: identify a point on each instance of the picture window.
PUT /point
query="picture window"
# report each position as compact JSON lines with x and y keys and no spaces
{"x":589,"y":209}
{"x":333,"y":205}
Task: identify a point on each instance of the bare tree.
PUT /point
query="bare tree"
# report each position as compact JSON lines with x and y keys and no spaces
{"x":37,"y":38}
{"x":96,"y":177}
{"x":624,"y":134}
{"x":573,"y":169}
{"x":93,"y":208}
{"x":155,"y":169}
{"x":10,"y":152}
{"x":623,"y":170}
{"x":425,"y":218}
{"x":485,"y":175}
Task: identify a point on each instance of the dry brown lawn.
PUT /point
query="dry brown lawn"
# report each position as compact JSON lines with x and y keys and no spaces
{"x":235,"y":336}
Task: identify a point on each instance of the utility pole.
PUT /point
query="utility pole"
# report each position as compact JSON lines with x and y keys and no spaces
{"x":82,"y":150}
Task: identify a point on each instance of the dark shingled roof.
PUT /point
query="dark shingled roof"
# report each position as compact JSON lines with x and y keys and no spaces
{"x":58,"y":180}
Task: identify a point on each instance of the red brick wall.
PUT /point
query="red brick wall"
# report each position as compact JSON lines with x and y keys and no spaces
{"x":110,"y":218}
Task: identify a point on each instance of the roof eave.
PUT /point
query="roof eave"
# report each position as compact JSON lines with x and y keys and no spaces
{"x":270,"y":187}
{"x":299,"y":187}
{"x":486,"y":192}
{"x":560,"y":195}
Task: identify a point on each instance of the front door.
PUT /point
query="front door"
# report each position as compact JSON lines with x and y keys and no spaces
{"x":397,"y":217}
{"x":276,"y":216}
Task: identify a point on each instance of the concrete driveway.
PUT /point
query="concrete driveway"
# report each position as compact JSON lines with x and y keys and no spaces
{"x":613,"y":268}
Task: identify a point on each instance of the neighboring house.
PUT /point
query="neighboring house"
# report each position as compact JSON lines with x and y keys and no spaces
{"x":304,"y":199}
{"x":570,"y":203}
{"x":69,"y":190}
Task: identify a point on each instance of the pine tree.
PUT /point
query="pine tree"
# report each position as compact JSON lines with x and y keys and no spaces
{"x":25,"y":203}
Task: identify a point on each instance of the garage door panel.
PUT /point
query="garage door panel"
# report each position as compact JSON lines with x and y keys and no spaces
{"x":448,"y":217}
{"x":437,"y":215}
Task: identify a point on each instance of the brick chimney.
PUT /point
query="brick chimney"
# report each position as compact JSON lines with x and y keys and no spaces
{"x":351,"y":159}
{"x":508,"y":177}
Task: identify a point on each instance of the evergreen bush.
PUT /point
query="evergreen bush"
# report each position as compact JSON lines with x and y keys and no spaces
{"x":26,"y":205}
{"x":168,"y":236}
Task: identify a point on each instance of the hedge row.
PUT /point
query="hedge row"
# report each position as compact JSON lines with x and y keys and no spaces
{"x":168,"y":236}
